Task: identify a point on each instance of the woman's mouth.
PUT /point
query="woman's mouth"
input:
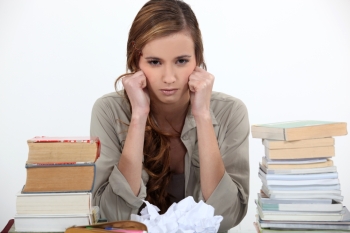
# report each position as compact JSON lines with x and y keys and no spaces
{"x":168,"y":91}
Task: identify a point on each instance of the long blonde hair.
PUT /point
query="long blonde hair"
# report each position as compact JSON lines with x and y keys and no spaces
{"x":159,"y":18}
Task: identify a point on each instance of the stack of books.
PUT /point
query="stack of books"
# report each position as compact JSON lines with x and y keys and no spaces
{"x":60,"y":177}
{"x":300,"y":187}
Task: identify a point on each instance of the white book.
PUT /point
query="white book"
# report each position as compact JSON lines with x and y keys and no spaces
{"x":267,"y":190}
{"x":301,"y":216}
{"x":293,"y":161}
{"x":324,"y":188}
{"x":298,"y":206}
{"x":334,"y":197}
{"x":299,"y":182}
{"x":54,"y":203}
{"x":321,"y":226}
{"x":268,"y":200}
{"x":298,"y":171}
{"x":313,"y":176}
{"x":49,"y":223}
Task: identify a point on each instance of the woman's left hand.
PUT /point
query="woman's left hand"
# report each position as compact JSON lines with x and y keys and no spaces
{"x":200,"y":84}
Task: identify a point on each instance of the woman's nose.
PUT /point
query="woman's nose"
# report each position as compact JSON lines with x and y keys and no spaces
{"x":169,"y":75}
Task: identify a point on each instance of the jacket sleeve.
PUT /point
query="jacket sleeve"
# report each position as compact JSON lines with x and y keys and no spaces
{"x":111,"y":191}
{"x":230,"y":198}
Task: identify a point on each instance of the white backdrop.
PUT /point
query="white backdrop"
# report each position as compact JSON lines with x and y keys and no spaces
{"x":287,"y":60}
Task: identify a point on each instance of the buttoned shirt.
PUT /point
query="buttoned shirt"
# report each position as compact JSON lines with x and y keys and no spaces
{"x":112,"y":193}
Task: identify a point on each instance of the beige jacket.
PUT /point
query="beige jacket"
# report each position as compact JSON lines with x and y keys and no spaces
{"x":112,"y":193}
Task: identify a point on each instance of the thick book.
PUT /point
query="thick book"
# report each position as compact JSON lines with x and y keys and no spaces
{"x":60,"y":178}
{"x":299,"y":130}
{"x":50,"y":223}
{"x":302,"y":216}
{"x":267,"y":226}
{"x":54,"y":203}
{"x":296,"y":163}
{"x":315,"y":142}
{"x":303,"y":225}
{"x":63,"y":150}
{"x":298,"y":171}
{"x":298,"y":206}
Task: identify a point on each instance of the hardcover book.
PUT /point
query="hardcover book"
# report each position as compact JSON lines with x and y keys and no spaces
{"x":60,"y":178}
{"x":299,"y":130}
{"x":50,"y":223}
{"x":64,"y":150}
{"x":54,"y":203}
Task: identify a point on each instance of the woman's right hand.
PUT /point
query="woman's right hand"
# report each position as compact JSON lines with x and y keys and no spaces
{"x":136,"y":88}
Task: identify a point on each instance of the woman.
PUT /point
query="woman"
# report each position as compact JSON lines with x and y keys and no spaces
{"x":167,"y":135}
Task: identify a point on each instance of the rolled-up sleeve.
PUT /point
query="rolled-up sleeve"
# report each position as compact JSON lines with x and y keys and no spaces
{"x":230,"y":198}
{"x":111,"y":191}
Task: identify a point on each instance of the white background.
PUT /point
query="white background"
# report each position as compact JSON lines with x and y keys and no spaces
{"x":287,"y":60}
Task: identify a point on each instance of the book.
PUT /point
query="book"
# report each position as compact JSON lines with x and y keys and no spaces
{"x":296,"y":163}
{"x":299,"y":130}
{"x":298,"y":206}
{"x":301,"y":153}
{"x":293,"y":188}
{"x":298,"y":171}
{"x":49,"y":223}
{"x":302,"y":216}
{"x":60,"y":178}
{"x":54,"y":203}
{"x":293,"y":161}
{"x":313,"y":176}
{"x":295,"y":225}
{"x":63,"y":150}
{"x":266,"y":200}
{"x":267,"y":226}
{"x":334,"y":197}
{"x":122,"y":226}
{"x":299,"y":182}
{"x":307,"y":190}
{"x":315,"y":142}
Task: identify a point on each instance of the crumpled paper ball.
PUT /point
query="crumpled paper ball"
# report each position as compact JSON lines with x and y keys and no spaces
{"x":187,"y":216}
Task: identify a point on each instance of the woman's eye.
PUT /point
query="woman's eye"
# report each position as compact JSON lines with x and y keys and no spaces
{"x":182,"y":61}
{"x":154,"y":62}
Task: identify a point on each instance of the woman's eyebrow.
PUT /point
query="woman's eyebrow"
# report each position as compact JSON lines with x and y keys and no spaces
{"x":153,"y":58}
{"x":183,"y":56}
{"x":178,"y":57}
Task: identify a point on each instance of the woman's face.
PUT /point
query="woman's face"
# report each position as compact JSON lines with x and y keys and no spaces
{"x":167,"y":63}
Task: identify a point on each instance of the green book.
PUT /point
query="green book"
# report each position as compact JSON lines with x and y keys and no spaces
{"x":299,"y":130}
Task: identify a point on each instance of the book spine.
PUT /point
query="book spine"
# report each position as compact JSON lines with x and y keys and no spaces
{"x":28,"y":165}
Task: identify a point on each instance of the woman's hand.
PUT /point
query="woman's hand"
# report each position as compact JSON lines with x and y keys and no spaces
{"x":200,"y":84}
{"x":136,"y":87}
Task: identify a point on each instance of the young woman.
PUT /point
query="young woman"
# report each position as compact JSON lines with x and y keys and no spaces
{"x":168,"y":135}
